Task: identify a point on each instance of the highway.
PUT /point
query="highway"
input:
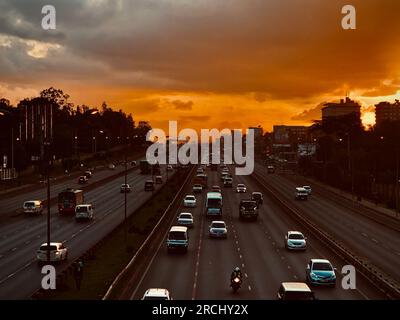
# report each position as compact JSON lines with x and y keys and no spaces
{"x":364,"y":236}
{"x":21,"y":237}
{"x":257,"y":247}
{"x":12,"y":205}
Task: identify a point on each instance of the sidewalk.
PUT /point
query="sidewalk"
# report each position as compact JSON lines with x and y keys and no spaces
{"x":363,"y":203}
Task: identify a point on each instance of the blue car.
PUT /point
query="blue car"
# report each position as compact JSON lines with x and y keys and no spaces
{"x":320,"y":272}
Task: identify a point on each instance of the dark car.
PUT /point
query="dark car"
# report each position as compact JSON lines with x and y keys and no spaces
{"x":82,"y":180}
{"x":248,"y":209}
{"x":149,"y":185}
{"x":257,"y":197}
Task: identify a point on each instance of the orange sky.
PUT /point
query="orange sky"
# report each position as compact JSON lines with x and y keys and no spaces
{"x":205,"y":63}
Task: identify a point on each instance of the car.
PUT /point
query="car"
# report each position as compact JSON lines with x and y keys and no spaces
{"x":257,"y":197}
{"x":295,"y":291}
{"x":82,"y":180}
{"x":88,"y":174}
{"x":33,"y":206}
{"x":241,"y":188}
{"x":159,"y":180}
{"x":308,"y":189}
{"x":178,"y":238}
{"x":248,"y":209}
{"x":125,"y":188}
{"x":156,"y":294}
{"x":186,"y":219}
{"x":228,"y":182}
{"x":197,"y":188}
{"x":133,"y":163}
{"x":218,"y":229}
{"x":224,"y":175}
{"x":149,"y":185}
{"x":169,"y":168}
{"x":270,"y":169}
{"x":111,"y":166}
{"x":320,"y":272}
{"x":295,"y":240}
{"x":58,"y":252}
{"x":189,"y":201}
{"x":300,"y":193}
{"x":216,"y":189}
{"x":84,"y":212}
{"x":200,"y":170}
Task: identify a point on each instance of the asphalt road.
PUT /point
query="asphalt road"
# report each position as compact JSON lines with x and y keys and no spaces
{"x":19,"y":240}
{"x":14,"y":203}
{"x":366,"y":237}
{"x":257,"y":247}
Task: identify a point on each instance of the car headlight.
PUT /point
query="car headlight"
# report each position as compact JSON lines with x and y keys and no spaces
{"x":313,"y":275}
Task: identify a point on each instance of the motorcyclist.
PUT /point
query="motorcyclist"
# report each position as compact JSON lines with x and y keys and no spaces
{"x":236,"y":273}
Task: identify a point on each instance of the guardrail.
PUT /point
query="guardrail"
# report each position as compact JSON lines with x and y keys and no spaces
{"x":378,"y":278}
{"x":151,"y":241}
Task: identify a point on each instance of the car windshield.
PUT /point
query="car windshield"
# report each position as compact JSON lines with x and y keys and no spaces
{"x":214,"y":203}
{"x":46,"y":248}
{"x":155,"y":298}
{"x":218,"y":225}
{"x":81,"y":209}
{"x":177,"y":235}
{"x":248,"y":204}
{"x":296,"y":236}
{"x":185,"y":216}
{"x":241,"y":185}
{"x":197,"y":186}
{"x":256,"y":196}
{"x":29,"y":204}
{"x":125,"y":186}
{"x":323,"y":266}
{"x":190,"y":198}
{"x":149,"y":183}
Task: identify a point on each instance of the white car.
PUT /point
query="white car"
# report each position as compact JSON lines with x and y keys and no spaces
{"x":58,"y":252}
{"x":308,"y":189}
{"x":300,"y":193}
{"x":241,"y":188}
{"x":169,"y":168}
{"x":84,"y":212}
{"x":186,"y":219}
{"x":156,"y":294}
{"x":33,"y":206}
{"x":125,"y":188}
{"x":197,"y":188}
{"x":218,"y":229}
{"x":189,"y":201}
{"x":295,"y":240}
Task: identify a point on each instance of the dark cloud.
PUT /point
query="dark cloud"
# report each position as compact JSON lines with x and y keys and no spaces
{"x":182,"y":105}
{"x":310,"y":114}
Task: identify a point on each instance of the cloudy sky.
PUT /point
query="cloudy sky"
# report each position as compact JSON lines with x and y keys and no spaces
{"x":205,"y":63}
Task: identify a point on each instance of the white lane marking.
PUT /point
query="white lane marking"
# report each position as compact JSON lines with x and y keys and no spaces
{"x":289,"y":267}
{"x":295,"y":277}
{"x":249,"y":288}
{"x":374,"y":240}
{"x":245,"y":274}
{"x":364,"y":234}
{"x":13,"y":249}
{"x":242,"y":265}
{"x":240,"y":256}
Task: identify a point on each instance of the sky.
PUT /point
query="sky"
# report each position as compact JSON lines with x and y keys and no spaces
{"x":205,"y":63}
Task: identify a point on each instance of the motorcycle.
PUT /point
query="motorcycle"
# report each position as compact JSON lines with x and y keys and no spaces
{"x":236,"y":283}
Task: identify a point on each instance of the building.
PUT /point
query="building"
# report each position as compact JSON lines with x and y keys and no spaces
{"x":386,"y":111}
{"x":258,"y":132}
{"x":345,"y":107}
{"x":286,"y":135}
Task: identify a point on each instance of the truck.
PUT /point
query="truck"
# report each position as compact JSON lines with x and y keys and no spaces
{"x":213,"y":204}
{"x":69,"y":199}
{"x":145,"y":167}
{"x":201,"y":178}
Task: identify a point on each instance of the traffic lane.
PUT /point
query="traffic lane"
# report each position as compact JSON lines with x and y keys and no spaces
{"x":273,"y":224}
{"x":218,"y":258}
{"x":343,"y":225}
{"x":341,"y":212}
{"x":175,"y":271}
{"x":24,"y":229}
{"x":14,"y":203}
{"x":15,"y":259}
{"x":28,"y":274}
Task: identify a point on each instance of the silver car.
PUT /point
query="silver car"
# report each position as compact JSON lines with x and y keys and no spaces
{"x":295,"y":240}
{"x":186,"y":219}
{"x":218,"y":229}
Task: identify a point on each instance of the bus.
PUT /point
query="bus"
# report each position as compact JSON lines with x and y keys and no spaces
{"x":68,"y":200}
{"x":213,"y":204}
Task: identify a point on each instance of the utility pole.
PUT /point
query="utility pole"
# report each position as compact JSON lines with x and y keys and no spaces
{"x":125,"y":197}
{"x":350,"y":165}
{"x":397,"y":181}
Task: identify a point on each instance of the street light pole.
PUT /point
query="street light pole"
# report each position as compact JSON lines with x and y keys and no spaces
{"x":125,"y":197}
